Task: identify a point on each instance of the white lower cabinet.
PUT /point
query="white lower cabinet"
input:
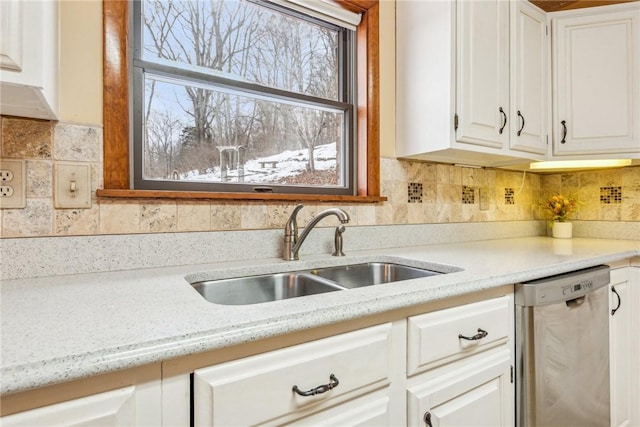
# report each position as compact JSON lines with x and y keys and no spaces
{"x":452,"y":364}
{"x":466,"y":354}
{"x":303,"y":384}
{"x":474,"y":392}
{"x":624,"y":340}
{"x":129,"y":406}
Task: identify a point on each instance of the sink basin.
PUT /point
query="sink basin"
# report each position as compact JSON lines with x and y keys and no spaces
{"x":278,"y":286}
{"x":371,"y":273}
{"x":265,"y":288}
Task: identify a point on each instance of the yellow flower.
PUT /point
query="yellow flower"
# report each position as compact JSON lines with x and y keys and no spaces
{"x":561,"y":207}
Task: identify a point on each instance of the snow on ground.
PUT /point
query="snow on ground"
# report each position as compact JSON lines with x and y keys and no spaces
{"x":288,"y":163}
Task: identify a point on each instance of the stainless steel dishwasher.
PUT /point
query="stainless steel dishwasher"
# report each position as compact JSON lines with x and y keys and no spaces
{"x":562,"y":350}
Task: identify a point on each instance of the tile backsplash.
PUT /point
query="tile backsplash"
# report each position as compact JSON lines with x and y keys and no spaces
{"x":418,"y":193}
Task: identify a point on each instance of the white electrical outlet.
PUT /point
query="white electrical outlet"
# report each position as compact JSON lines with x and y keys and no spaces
{"x":72,"y":185}
{"x":6,"y":191}
{"x":6,"y":175}
{"x":13,"y":184}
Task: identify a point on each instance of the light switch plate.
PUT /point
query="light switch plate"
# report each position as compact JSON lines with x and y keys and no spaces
{"x":72,"y":185}
{"x":13,"y":184}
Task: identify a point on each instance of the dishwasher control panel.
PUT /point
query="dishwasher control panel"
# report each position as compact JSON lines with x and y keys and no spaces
{"x":562,"y":287}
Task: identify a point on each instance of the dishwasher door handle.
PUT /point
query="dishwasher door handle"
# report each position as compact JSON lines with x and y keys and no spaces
{"x":481,"y":334}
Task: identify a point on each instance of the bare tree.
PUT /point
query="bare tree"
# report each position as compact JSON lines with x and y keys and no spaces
{"x":163,"y":134}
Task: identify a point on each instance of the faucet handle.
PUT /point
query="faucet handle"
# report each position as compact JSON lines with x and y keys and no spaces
{"x":291,"y":227}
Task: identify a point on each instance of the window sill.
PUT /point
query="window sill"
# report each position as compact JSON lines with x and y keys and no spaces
{"x":201,"y":195}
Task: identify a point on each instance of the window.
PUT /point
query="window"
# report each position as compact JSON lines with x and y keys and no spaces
{"x":234,"y":95}
{"x":285,"y":129}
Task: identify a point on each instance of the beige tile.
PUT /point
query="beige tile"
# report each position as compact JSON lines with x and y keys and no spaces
{"x":448,"y":194}
{"x":443,"y":213}
{"x":158,"y":217}
{"x":588,"y":178}
{"x":400,"y":215}
{"x":75,"y":142}
{"x":550,"y":184}
{"x":630,"y":176}
{"x":117,"y":217}
{"x":77,"y":222}
{"x":416,"y":213}
{"x":39,"y":178}
{"x":610,"y":212}
{"x":610,"y":178}
{"x":36,"y":219}
{"x":253,"y":217}
{"x":97,"y":174}
{"x":393,"y":169}
{"x":569,"y":180}
{"x":630,"y":212}
{"x":225,"y":217}
{"x":366,"y":214}
{"x":194,"y":216}
{"x":26,"y":138}
{"x":277,"y":215}
{"x":397,"y":192}
{"x":384,"y":214}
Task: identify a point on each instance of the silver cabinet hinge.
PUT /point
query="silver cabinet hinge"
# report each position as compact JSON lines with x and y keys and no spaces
{"x":511,"y":374}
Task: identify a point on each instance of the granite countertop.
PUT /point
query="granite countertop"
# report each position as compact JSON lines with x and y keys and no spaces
{"x":57,"y":329}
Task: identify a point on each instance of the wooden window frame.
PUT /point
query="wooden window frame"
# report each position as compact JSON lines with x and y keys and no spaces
{"x":116,"y":121}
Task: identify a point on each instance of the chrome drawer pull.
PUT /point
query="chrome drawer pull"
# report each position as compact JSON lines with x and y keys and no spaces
{"x":481,"y":334}
{"x":320,"y":389}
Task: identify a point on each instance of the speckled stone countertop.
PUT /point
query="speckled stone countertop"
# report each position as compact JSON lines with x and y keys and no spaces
{"x":62,"y":328}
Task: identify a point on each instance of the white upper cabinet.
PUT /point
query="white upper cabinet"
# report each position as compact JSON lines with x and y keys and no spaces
{"x":457,"y":92}
{"x":29,"y":58}
{"x":482,"y":80}
{"x":596,"y":81}
{"x":530,"y":108}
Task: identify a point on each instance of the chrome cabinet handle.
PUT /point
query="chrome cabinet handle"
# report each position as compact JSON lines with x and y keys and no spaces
{"x":521,"y":127}
{"x":613,"y":310}
{"x":320,"y":389}
{"x":564,"y":131}
{"x":427,"y":419}
{"x":481,"y":334}
{"x":505,"y":120}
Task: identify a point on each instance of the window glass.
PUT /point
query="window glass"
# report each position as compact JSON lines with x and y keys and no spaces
{"x":240,"y":94}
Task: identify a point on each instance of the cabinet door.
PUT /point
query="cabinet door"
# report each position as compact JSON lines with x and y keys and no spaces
{"x":129,"y":406}
{"x":596,"y":93}
{"x":11,"y":35}
{"x":482,"y":78}
{"x":529,"y":87}
{"x":624,"y":347}
{"x":337,"y":368}
{"x":476,"y":391}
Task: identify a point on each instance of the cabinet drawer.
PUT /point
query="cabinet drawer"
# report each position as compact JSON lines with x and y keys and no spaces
{"x":433,"y":338}
{"x":259,"y":389}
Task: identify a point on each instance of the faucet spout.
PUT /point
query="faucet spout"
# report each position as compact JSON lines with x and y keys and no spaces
{"x":293,"y":242}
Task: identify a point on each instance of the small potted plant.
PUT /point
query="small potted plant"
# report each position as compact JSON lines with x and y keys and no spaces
{"x":561,"y":208}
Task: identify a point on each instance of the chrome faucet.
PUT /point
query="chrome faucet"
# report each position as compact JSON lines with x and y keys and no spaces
{"x":292,"y":242}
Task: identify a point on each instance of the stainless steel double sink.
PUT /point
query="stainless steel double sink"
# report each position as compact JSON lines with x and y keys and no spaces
{"x":277,"y":286}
